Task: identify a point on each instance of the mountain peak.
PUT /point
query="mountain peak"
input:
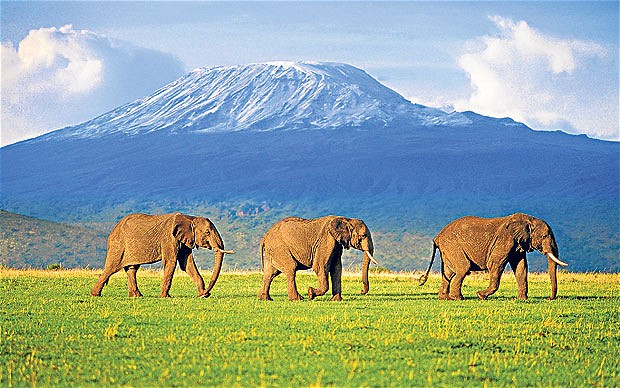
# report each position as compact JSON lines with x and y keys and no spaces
{"x":262,"y":97}
{"x":302,"y":66}
{"x":332,"y":69}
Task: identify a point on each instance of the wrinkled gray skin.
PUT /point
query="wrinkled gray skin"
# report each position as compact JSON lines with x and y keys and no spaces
{"x":475,"y":244}
{"x":296,"y":243}
{"x":143,"y":239}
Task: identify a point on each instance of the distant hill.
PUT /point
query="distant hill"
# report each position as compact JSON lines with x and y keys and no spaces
{"x":247,"y":145}
{"x":27,"y":242}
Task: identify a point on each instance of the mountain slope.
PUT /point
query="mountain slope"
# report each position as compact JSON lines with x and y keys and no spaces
{"x":27,"y":242}
{"x":314,"y":139}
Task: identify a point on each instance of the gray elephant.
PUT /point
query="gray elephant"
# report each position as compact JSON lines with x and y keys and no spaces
{"x":296,"y":243}
{"x":143,"y":239}
{"x":475,"y":244}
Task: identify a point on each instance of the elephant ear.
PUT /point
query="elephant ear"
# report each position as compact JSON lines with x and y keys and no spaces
{"x":183,"y":230}
{"x":340,"y":231}
{"x":520,"y":229}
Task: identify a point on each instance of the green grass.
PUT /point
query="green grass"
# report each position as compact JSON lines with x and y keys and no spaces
{"x":53,"y":333}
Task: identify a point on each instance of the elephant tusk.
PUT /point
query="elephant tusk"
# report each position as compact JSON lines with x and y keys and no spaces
{"x":372,"y":259}
{"x":558,"y":261}
{"x":229,"y":252}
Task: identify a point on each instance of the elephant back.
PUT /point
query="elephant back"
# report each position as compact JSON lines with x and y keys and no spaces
{"x":142,"y":236}
{"x":471,"y":234}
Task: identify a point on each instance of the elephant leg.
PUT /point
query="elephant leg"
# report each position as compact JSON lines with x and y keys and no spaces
{"x":166,"y":283}
{"x":293,"y":294}
{"x":519,"y":267}
{"x":321,"y":274}
{"x":446,"y":277}
{"x":455,"y":286}
{"x":269,"y":273}
{"x":495,"y":275}
{"x":132,"y":282}
{"x":279,"y":260}
{"x":336,"y":277}
{"x":103,"y":280}
{"x":191,"y":269}
{"x":115,"y":255}
{"x":455,"y":266}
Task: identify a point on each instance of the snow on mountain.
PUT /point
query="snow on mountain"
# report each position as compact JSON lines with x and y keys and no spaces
{"x":266,"y":96}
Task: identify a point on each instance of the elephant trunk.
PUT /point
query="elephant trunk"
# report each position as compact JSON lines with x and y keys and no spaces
{"x":368,"y":251}
{"x":365,"y":266}
{"x":218,"y":248}
{"x":553,"y":267}
{"x":553,"y":263}
{"x":217,"y":267}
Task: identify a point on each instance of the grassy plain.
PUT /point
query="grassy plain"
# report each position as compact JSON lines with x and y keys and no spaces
{"x":53,"y":333}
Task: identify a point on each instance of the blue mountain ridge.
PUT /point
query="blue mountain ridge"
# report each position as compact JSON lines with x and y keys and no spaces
{"x":318,"y":138}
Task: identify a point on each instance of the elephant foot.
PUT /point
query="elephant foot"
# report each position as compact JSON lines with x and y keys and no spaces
{"x":204,"y":295}
{"x":337,"y":298}
{"x":313,"y":292}
{"x":264,"y":297}
{"x":166,"y":295}
{"x":135,"y":294}
{"x":443,"y":297}
{"x":95,"y":293}
{"x":296,"y":298}
{"x":481,"y":296}
{"x":455,"y":297}
{"x":523,"y":297}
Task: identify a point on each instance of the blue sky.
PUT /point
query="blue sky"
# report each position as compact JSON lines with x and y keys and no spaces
{"x":552,"y":65}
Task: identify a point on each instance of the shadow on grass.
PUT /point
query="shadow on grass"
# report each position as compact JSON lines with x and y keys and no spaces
{"x":356,"y":297}
{"x":417,"y":295}
{"x":433,"y":296}
{"x":544,"y":298}
{"x":589,"y":297}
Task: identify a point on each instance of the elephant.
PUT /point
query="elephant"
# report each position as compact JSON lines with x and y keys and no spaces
{"x":295,"y":243}
{"x":143,"y":239}
{"x":475,"y":244}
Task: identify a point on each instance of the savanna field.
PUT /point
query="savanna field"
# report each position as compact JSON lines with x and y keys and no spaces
{"x":53,"y":333}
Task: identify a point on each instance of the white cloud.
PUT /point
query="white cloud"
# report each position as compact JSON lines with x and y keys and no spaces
{"x":544,"y":81}
{"x":61,"y":76}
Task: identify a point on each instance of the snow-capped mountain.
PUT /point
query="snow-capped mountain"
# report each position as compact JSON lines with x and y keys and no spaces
{"x":266,"y":96}
{"x":311,"y":139}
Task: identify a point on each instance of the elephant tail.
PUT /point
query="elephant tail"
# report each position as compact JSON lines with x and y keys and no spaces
{"x":262,"y":254}
{"x":424,"y":277}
